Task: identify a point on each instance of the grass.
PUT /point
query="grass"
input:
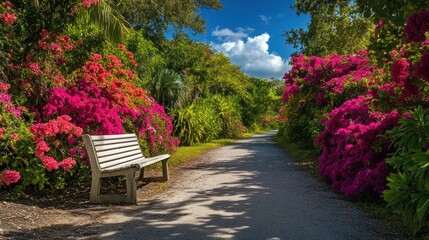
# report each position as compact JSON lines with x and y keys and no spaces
{"x":374,"y":208}
{"x":187,"y":153}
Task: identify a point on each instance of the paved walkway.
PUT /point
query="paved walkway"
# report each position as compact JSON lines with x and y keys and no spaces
{"x":247,"y":190}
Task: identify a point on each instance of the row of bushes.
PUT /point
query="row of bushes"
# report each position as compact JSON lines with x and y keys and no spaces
{"x":369,"y":122}
{"x":54,"y":88}
{"x":60,"y":77}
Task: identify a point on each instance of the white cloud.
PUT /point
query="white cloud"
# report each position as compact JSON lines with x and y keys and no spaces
{"x":226,"y":34}
{"x":265,"y":19}
{"x":253,"y":57}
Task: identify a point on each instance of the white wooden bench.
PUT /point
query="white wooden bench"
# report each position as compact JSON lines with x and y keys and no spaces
{"x":117,"y":155}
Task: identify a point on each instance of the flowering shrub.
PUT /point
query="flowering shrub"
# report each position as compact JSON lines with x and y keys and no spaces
{"x":104,"y":101}
{"x":43,"y":131}
{"x":349,"y":160}
{"x":97,"y":97}
{"x":357,"y":103}
{"x":17,"y":161}
{"x":155,"y":127}
{"x":315,"y":85}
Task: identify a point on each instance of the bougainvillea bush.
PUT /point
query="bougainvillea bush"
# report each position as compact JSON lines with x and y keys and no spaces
{"x":347,"y":106}
{"x":350,"y":159}
{"x":408,"y":184}
{"x":315,"y":85}
{"x":47,"y":104}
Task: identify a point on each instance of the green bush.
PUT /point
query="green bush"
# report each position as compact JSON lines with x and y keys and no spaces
{"x":408,"y":191}
{"x":196,"y":123}
{"x":228,"y":110}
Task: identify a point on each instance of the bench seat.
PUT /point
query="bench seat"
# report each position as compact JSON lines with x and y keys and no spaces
{"x":118,"y":155}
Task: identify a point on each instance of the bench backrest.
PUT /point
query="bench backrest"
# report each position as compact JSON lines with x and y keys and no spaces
{"x":107,"y":152}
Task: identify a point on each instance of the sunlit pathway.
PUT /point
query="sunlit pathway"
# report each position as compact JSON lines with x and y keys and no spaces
{"x":247,"y":190}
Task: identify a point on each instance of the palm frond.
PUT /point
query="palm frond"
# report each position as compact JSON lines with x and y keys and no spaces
{"x":108,"y":20}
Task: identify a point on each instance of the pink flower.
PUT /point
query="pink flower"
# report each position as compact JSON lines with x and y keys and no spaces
{"x":2,"y":131}
{"x":380,"y":24}
{"x":50,"y":163}
{"x":421,"y":68}
{"x":87,"y":4}
{"x":14,"y":137}
{"x":67,"y":163}
{"x":417,"y":25}
{"x":34,"y":67}
{"x":8,"y":18}
{"x":9,"y":176}
{"x":95,"y":57}
{"x":4,"y":87}
{"x":400,"y":71}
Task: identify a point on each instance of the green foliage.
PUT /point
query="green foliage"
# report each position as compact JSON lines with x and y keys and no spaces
{"x":408,"y":190}
{"x":334,"y":28}
{"x":210,"y":118}
{"x":153,"y":18}
{"x":207,"y":72}
{"x":109,"y":20}
{"x":168,"y":89}
{"x":195,"y":124}
{"x":148,"y":57}
{"x":51,"y":14}
{"x":263,"y":102}
{"x":223,"y":77}
{"x":228,"y":110}
{"x":337,"y":26}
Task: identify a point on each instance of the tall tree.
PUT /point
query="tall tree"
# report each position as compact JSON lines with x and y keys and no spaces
{"x":334,"y":22}
{"x":335,"y":27}
{"x":155,"y":17}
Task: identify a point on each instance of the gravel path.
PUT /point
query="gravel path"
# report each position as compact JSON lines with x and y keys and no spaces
{"x":247,"y":190}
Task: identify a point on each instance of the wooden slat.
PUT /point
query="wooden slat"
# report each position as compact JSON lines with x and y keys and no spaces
{"x":114,"y":146}
{"x":149,"y":161}
{"x":107,"y":137}
{"x":117,"y":151}
{"x":128,"y":161}
{"x":121,"y":166}
{"x":113,"y":141}
{"x":118,"y":156}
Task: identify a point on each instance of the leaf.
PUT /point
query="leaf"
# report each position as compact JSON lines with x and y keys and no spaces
{"x":422,"y":207}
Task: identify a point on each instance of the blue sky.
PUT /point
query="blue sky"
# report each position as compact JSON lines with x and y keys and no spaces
{"x":250,"y":34}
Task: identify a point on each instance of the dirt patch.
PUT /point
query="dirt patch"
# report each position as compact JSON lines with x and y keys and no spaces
{"x":59,"y":215}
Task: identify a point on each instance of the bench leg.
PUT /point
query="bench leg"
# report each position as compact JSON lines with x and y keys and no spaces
{"x":131,"y":188}
{"x":165,"y":169}
{"x":95,"y":189}
{"x":141,"y":176}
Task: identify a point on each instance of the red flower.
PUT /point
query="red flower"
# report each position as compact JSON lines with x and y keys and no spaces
{"x":400,"y":70}
{"x":14,"y":137}
{"x":8,"y":18}
{"x":67,"y":163}
{"x":9,"y":176}
{"x":417,"y":25}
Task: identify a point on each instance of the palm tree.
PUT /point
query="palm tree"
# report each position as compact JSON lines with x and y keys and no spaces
{"x":108,"y":19}
{"x":105,"y":16}
{"x":169,"y":89}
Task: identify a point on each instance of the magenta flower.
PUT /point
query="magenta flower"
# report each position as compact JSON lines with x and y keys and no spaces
{"x":9,"y":176}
